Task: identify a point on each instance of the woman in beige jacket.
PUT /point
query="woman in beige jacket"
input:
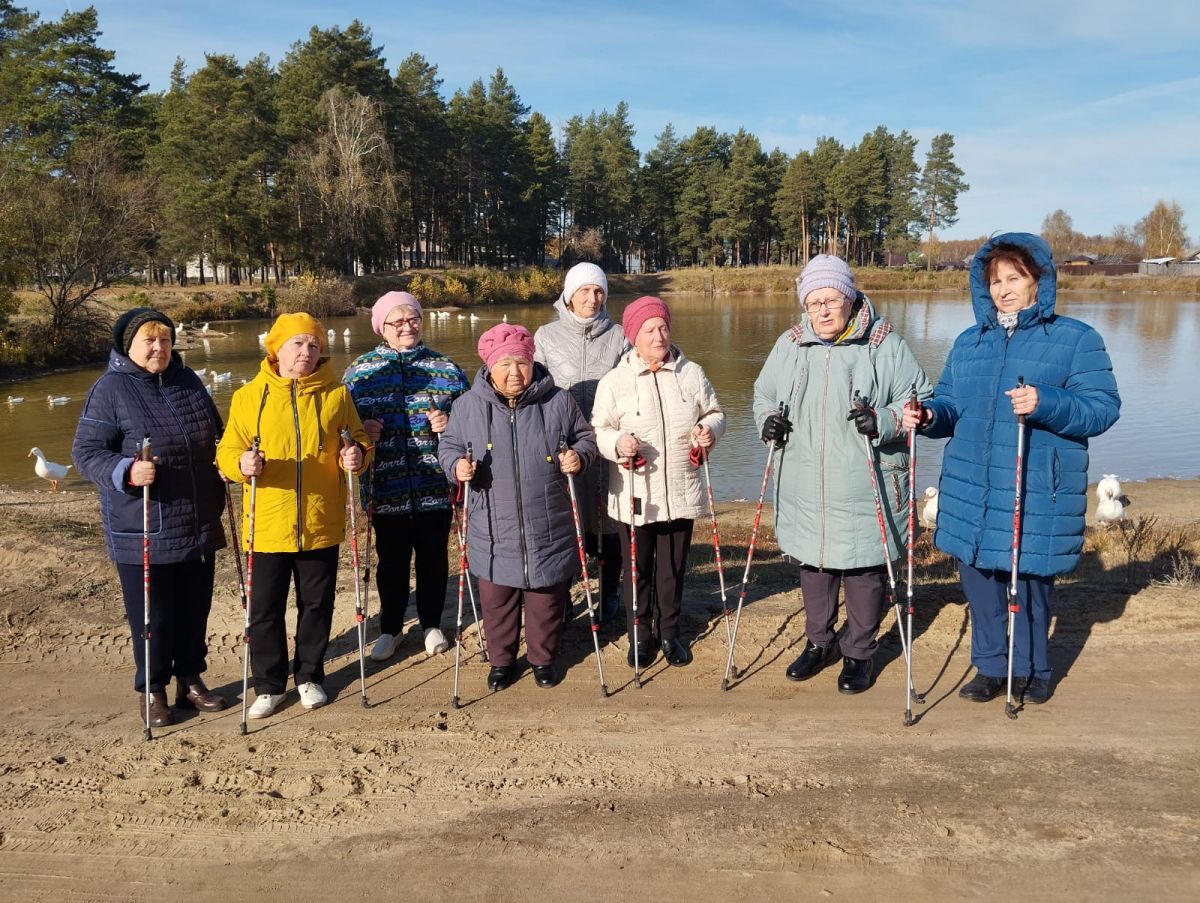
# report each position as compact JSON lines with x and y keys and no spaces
{"x":655,"y":409}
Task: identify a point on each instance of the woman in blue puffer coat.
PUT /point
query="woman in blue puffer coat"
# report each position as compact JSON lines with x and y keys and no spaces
{"x":147,"y":390}
{"x":1069,"y":395}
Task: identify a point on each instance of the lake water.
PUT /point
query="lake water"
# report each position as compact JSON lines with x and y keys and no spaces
{"x":1154,"y":342}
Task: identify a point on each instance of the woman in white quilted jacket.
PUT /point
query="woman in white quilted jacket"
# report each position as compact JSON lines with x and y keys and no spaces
{"x":655,"y":410}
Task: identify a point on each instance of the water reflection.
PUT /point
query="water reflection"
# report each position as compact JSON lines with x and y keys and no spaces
{"x":1152,"y":340}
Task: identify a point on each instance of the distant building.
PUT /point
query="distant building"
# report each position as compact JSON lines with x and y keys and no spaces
{"x":1155,"y":266}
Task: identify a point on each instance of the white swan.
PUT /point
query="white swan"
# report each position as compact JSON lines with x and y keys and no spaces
{"x":346,"y":332}
{"x":48,"y":470}
{"x":930,"y":512}
{"x":262,"y":339}
{"x":1109,"y":487}
{"x":204,"y":327}
{"x":201,"y":372}
{"x":16,"y":400}
{"x":1111,"y":509}
{"x":222,"y":377}
{"x":57,"y":399}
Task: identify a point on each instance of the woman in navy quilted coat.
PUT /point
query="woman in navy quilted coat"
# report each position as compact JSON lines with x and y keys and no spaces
{"x":1069,"y":395}
{"x":147,"y":390}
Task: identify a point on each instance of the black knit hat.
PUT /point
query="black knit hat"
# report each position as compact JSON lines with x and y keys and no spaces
{"x":131,"y":321}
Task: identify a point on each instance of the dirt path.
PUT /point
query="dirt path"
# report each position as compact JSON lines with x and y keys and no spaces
{"x":674,"y":792}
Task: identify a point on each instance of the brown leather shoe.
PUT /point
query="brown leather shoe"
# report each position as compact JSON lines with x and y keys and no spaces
{"x":193,"y":694}
{"x":160,"y":712}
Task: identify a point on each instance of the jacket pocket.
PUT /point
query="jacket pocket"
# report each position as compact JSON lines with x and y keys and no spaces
{"x":126,"y":514}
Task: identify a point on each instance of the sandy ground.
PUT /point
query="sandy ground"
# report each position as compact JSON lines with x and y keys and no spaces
{"x":677,"y":791}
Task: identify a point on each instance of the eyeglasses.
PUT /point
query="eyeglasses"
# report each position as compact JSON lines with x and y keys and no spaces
{"x":411,"y":323}
{"x":813,"y":306}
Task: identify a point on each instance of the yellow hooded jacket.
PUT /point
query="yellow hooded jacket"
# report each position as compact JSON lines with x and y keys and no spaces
{"x":301,"y":499}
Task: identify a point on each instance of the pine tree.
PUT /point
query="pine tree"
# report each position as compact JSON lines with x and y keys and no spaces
{"x":941,"y":184}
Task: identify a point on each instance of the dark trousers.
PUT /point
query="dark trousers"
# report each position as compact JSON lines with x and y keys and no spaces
{"x":987,"y":595}
{"x":315,"y":576}
{"x":397,"y":538}
{"x":180,"y":600}
{"x":864,"y":607}
{"x":662,"y":551}
{"x":610,"y":554}
{"x":502,"y":621}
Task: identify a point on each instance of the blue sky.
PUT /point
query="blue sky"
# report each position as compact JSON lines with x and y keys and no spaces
{"x":1093,"y":107}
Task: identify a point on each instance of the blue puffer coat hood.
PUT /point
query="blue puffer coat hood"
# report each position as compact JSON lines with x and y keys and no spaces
{"x":1065,"y":360}
{"x":1047,"y":293}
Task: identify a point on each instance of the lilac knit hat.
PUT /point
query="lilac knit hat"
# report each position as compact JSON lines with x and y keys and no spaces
{"x":387,"y":304}
{"x":826,"y":271}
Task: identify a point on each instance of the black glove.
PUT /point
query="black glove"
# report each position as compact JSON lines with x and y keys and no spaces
{"x":865,"y":420}
{"x":776,"y":428}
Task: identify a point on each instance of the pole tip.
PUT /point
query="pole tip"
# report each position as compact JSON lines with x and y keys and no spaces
{"x":146,"y":735}
{"x":243,"y":730}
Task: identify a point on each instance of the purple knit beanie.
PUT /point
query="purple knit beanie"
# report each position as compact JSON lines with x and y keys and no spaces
{"x":638,"y":312}
{"x":826,"y":271}
{"x":387,"y":304}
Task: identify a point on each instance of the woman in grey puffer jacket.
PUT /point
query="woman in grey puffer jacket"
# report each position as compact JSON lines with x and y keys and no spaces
{"x":521,"y":538}
{"x":578,"y":349}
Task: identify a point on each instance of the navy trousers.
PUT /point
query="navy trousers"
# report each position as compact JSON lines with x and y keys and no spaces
{"x":987,"y":595}
{"x":180,"y":600}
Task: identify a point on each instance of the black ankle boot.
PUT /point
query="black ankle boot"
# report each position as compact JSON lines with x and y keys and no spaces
{"x":501,"y":676}
{"x":856,"y":674}
{"x":811,"y":661}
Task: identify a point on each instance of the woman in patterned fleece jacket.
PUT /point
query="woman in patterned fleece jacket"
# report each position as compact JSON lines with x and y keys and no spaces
{"x":403,"y":391}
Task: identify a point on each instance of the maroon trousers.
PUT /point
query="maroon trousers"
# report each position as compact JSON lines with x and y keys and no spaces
{"x":502,"y":621}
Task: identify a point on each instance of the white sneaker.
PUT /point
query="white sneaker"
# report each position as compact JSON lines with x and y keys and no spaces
{"x":265,"y":705}
{"x":385,"y":647}
{"x":312,"y":696}
{"x":435,"y":641}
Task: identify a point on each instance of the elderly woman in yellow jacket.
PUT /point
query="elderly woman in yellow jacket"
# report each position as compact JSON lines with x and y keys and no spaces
{"x":296,"y":407}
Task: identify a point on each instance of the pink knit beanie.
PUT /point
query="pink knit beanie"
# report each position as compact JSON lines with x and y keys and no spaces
{"x":387,"y":304}
{"x":638,"y":312}
{"x":504,"y":340}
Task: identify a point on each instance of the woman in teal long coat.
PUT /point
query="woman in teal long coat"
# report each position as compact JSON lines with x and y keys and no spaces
{"x":824,"y":505}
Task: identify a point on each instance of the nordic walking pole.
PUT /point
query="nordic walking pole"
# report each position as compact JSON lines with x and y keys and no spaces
{"x":249,"y":592}
{"x":910,"y":695}
{"x":1013,"y":603}
{"x":359,"y":616}
{"x":462,"y":573}
{"x":483,"y":654}
{"x":631,"y":465}
{"x":600,"y":494}
{"x":593,"y":615}
{"x":237,"y":553}
{"x":730,"y":670}
{"x":370,"y":524}
{"x":859,"y":401}
{"x":716,"y":538}
{"x":146,"y":455}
